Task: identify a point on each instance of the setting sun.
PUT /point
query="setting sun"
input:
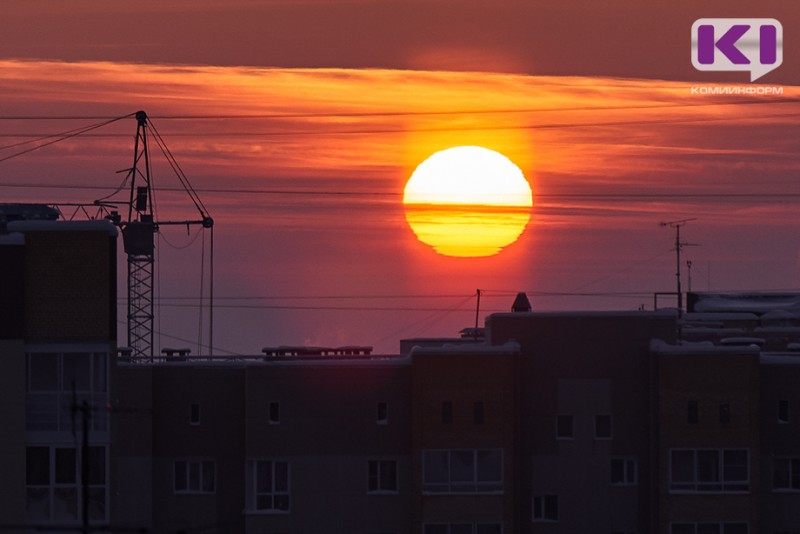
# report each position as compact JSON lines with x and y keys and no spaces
{"x":468,"y":175}
{"x":467,"y":201}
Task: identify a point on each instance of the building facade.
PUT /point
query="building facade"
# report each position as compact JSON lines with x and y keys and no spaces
{"x":603,"y":422}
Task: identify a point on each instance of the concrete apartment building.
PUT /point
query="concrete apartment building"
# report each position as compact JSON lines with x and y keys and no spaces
{"x":57,"y":332}
{"x":601,"y":422}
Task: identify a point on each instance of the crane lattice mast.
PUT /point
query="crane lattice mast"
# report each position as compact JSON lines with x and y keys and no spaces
{"x":138,"y":234}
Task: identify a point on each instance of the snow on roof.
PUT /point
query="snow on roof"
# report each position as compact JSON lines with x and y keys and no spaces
{"x":699,"y":348}
{"x":12,"y":239}
{"x":779,"y":358}
{"x":754,"y":302}
{"x":63,"y":226}
{"x":509,"y":347}
{"x":719,"y":316}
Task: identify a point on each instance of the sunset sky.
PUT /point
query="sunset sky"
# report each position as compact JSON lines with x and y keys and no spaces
{"x":299,"y":123}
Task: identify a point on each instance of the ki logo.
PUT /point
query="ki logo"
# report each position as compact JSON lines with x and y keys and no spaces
{"x":754,"y":45}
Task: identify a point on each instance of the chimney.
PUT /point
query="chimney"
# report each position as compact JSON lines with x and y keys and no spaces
{"x":521,"y":303}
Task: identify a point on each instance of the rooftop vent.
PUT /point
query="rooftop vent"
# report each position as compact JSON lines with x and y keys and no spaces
{"x":521,"y":303}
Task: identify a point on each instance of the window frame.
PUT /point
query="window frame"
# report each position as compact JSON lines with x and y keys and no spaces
{"x":629,"y":465}
{"x":201,"y":464}
{"x":723,"y":525}
{"x":721,"y":484}
{"x":53,"y":486}
{"x":462,"y":487}
{"x":565,"y":417}
{"x":540,"y":509}
{"x":49,"y":409}
{"x":382,"y":413}
{"x":474,"y":526}
{"x":195,"y":412}
{"x":379,"y":475}
{"x":597,"y":434}
{"x":274,"y":413}
{"x":784,"y":414}
{"x":252,"y":482}
{"x":791,"y":487}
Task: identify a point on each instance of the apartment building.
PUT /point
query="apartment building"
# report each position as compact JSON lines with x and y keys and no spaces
{"x":540,"y":422}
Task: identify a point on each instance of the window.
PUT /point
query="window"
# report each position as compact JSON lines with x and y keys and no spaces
{"x":708,"y":528}
{"x":691,"y":411}
{"x":786,"y":474}
{"x":602,"y":427}
{"x":623,"y":472}
{"x":53,"y":483}
{"x":724,"y":413}
{"x":382,"y":417}
{"x":382,"y":476}
{"x":194,"y":414}
{"x":274,"y":416}
{"x":545,"y":508}
{"x":56,"y":380}
{"x":478,"y":412}
{"x":564,"y":427}
{"x":783,"y":411}
{"x":447,"y":412}
{"x":268,"y":486}
{"x":462,"y":471}
{"x":463,"y":528}
{"x":195,"y":476}
{"x":709,"y":470}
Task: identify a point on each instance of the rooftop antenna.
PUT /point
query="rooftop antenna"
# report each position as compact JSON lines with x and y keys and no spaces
{"x":678,"y":246}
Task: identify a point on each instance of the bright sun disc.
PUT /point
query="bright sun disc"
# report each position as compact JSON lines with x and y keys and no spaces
{"x":468,"y":175}
{"x":467,"y":201}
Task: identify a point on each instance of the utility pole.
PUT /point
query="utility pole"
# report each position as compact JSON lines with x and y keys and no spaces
{"x":678,"y":246}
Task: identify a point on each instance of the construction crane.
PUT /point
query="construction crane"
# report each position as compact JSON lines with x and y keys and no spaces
{"x":138,"y":229}
{"x":138,"y":234}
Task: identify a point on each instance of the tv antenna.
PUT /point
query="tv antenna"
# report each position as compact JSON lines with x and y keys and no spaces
{"x":678,"y":247}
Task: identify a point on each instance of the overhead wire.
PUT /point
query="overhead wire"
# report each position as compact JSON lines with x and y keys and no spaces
{"x":326,"y":114}
{"x":55,"y":138}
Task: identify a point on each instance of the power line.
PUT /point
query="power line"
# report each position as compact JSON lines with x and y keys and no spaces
{"x":333,"y":114}
{"x":551,"y":126}
{"x":394,"y":194}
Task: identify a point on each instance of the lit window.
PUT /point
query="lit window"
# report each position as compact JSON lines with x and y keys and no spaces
{"x":545,"y":508}
{"x":382,"y":476}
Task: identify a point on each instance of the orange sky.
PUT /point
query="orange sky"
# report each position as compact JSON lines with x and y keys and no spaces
{"x":307,"y":194}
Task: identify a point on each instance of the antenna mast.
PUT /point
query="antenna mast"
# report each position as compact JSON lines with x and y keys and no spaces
{"x":678,"y":247}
